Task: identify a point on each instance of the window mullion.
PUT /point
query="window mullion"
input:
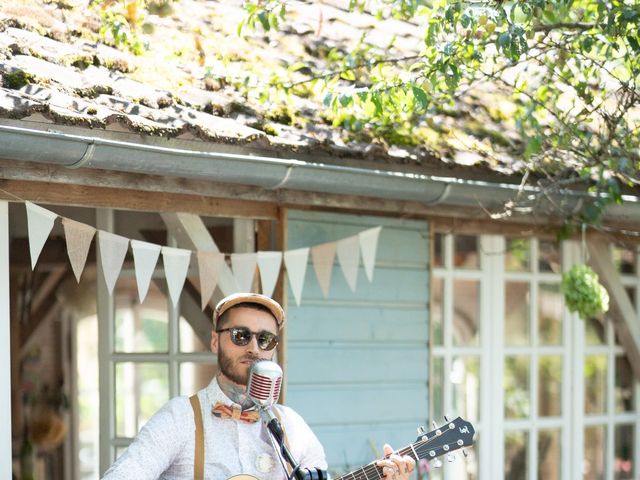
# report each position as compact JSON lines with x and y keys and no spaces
{"x":492,"y":394}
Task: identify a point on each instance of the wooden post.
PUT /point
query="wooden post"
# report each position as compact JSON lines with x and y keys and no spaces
{"x":622,"y":313}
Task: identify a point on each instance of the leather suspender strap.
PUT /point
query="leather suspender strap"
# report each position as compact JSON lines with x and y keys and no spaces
{"x":198,"y":462}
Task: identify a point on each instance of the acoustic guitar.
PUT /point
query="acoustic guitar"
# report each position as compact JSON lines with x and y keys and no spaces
{"x":453,"y":435}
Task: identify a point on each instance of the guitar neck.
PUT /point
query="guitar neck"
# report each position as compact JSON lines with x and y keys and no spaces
{"x":446,"y":439}
{"x":374,"y":472}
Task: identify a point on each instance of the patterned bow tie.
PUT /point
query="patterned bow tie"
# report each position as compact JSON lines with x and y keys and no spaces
{"x":221,"y":410}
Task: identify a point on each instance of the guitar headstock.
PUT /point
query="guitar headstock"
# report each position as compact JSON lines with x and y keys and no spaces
{"x":453,"y":435}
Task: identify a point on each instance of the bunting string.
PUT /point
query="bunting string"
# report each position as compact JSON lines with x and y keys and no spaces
{"x":112,"y":250}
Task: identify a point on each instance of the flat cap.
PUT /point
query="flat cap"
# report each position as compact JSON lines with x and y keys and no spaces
{"x":236,"y":298}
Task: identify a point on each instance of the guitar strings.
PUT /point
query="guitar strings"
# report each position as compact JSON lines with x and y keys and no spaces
{"x":373,"y":471}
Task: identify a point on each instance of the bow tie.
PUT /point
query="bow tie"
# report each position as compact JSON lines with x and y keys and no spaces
{"x":221,"y":410}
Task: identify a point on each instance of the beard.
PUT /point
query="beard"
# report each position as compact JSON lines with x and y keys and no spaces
{"x":236,"y":373}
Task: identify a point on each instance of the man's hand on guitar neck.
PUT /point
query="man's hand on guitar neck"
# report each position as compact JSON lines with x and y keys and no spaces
{"x":394,"y":466}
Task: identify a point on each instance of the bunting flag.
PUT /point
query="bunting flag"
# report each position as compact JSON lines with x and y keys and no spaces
{"x":213,"y":270}
{"x":295,"y":262}
{"x":368,"y":247}
{"x":78,"y":237}
{"x":323,"y":257}
{"x":113,"y":249}
{"x":176,"y":266}
{"x":243,"y":266}
{"x":269,"y":267}
{"x":209,"y":267}
{"x":348,"y":250}
{"x":145,"y":258}
{"x":39,"y":225}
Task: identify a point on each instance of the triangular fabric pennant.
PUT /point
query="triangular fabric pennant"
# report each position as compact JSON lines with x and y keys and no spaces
{"x":209,"y":267}
{"x":244,"y":269}
{"x":176,"y":266}
{"x":269,"y":264}
{"x":78,"y":237}
{"x":113,"y":249}
{"x":348,"y":250}
{"x":296,"y":264}
{"x":145,"y":258}
{"x":39,"y":225}
{"x":323,"y":257}
{"x":368,"y":248}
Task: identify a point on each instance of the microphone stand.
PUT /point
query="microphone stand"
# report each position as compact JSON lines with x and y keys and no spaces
{"x":276,"y":431}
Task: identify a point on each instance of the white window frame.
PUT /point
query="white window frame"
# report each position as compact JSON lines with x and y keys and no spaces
{"x":492,"y":425}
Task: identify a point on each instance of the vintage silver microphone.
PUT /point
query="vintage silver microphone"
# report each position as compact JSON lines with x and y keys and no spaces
{"x":265,"y":381}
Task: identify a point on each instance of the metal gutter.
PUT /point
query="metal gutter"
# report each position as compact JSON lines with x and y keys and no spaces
{"x":77,"y":151}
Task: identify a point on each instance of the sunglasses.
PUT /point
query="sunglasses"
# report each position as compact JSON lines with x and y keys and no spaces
{"x":241,"y":336}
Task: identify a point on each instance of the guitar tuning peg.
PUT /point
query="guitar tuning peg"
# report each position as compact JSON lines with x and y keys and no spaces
{"x":435,"y":425}
{"x":421,"y":430}
{"x":446,"y":418}
{"x":464,"y":452}
{"x":437,"y":463}
{"x":451,"y":457}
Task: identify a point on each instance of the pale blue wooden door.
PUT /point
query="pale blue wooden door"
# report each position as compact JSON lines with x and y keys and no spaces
{"x":357,"y":362}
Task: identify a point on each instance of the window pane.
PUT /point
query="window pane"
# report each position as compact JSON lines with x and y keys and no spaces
{"x":517,"y":403}
{"x":466,"y":312}
{"x":595,"y":332}
{"x":624,"y":448}
{"x":550,"y":307}
{"x":189,"y":341}
{"x":550,"y":386}
{"x":438,"y":385}
{"x":196,"y":376}
{"x":141,"y":389}
{"x":517,"y":301}
{"x":595,"y":383}
{"x":631,"y":293}
{"x":624,"y":259}
{"x":624,"y":387}
{"x":549,"y":454}
{"x":437,"y":310}
{"x":465,"y":253}
{"x":465,"y":379}
{"x":140,"y":327}
{"x":518,"y":255}
{"x":549,"y":259}
{"x":516,"y":446}
{"x":438,"y":250}
{"x":594,"y":451}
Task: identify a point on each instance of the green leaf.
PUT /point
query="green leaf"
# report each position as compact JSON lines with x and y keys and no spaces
{"x":504,"y":39}
{"x":533,"y":147}
{"x":264,"y":20}
{"x":345,"y":100}
{"x":421,"y":96}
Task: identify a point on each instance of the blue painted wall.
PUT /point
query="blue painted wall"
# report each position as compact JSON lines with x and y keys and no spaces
{"x":357,"y":362}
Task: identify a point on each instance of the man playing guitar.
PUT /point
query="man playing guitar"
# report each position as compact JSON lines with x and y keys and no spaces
{"x":217,"y":433}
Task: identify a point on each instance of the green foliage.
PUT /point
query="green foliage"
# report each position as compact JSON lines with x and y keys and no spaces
{"x":583,"y":292}
{"x":568,"y":68}
{"x":122,"y":22}
{"x":17,"y":79}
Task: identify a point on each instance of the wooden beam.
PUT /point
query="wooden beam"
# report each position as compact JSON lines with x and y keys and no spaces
{"x":59,"y":185}
{"x":133,"y":199}
{"x":190,"y":232}
{"x":48,"y":286}
{"x":621,"y":311}
{"x":48,"y":308}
